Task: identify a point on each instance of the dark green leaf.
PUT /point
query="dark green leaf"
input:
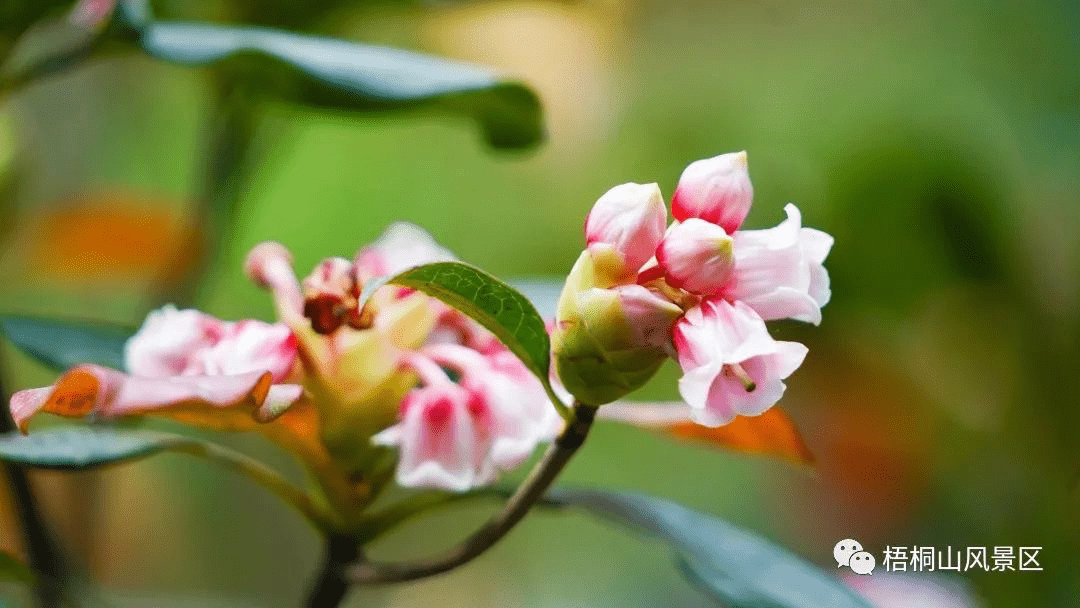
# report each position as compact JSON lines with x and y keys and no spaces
{"x":739,"y":568}
{"x":62,"y":344}
{"x":492,"y":303}
{"x":340,"y":75}
{"x":82,"y":447}
{"x":14,"y":570}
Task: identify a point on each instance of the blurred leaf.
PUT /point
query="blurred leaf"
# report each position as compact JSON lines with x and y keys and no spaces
{"x":62,"y":344}
{"x":13,"y":570}
{"x":340,"y":75}
{"x":497,"y":306}
{"x":81,"y":447}
{"x":741,"y":569}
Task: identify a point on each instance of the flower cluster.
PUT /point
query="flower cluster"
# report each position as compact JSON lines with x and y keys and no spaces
{"x":699,"y":291}
{"x":331,"y":382}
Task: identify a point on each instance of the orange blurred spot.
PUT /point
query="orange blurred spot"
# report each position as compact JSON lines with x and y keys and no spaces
{"x":111,"y":236}
{"x":772,"y":433}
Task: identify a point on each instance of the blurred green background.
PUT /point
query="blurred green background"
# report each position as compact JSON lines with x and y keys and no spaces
{"x":939,"y":142}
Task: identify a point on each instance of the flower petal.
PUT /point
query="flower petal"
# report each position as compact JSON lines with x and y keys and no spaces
{"x":269,"y":265}
{"x":630,"y":219}
{"x":92,"y":389}
{"x":717,"y":190}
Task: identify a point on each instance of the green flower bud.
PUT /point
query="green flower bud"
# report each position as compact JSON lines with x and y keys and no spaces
{"x":609,"y":338}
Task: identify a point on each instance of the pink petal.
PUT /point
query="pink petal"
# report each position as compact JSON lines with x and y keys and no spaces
{"x":696,"y":256}
{"x":94,"y":389}
{"x":269,"y":265}
{"x":630,"y":219}
{"x":779,"y":272}
{"x":716,"y":190}
{"x":170,"y":340}
{"x":401,"y":246}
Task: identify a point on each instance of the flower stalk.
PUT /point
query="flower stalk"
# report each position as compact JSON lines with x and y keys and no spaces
{"x":516,"y":507}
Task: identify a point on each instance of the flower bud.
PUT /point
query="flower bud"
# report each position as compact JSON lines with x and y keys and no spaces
{"x":716,"y":190}
{"x":696,"y":256}
{"x":629,"y":219}
{"x":609,"y":342}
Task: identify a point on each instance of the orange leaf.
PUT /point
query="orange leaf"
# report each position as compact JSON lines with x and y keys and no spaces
{"x":772,"y":433}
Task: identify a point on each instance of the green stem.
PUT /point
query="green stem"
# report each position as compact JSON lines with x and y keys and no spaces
{"x":44,"y":556}
{"x":516,"y":507}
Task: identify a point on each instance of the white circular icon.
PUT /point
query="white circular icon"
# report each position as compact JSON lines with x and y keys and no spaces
{"x":862,"y":563}
{"x":844,"y":550}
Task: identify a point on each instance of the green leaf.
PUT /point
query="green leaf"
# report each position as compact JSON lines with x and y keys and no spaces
{"x":739,"y":568}
{"x":81,"y":447}
{"x":497,"y":306}
{"x":13,"y":570}
{"x":62,"y":344}
{"x":339,"y":75}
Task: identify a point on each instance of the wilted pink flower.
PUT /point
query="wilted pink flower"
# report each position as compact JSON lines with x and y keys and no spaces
{"x":731,"y":365}
{"x":323,"y":381}
{"x":716,"y":190}
{"x":696,"y":256}
{"x":170,"y":342}
{"x":779,"y":271}
{"x":330,"y":295}
{"x":628,"y":220}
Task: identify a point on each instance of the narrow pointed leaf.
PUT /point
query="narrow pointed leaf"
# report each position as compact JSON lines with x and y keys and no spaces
{"x":61,"y":344}
{"x":737,"y":567}
{"x":339,"y":75}
{"x":79,"y":448}
{"x":497,"y":306}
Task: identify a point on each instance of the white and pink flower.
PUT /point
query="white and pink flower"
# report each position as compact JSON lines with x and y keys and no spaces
{"x":731,"y":365}
{"x":702,"y":295}
{"x":460,"y":435}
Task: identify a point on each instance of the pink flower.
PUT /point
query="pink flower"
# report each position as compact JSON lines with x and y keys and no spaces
{"x":170,"y":342}
{"x":458,"y":436}
{"x":248,"y":346}
{"x":731,"y":365}
{"x":716,"y":190}
{"x":175,"y":342}
{"x":779,"y":271}
{"x":629,"y":220}
{"x":696,"y":256}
